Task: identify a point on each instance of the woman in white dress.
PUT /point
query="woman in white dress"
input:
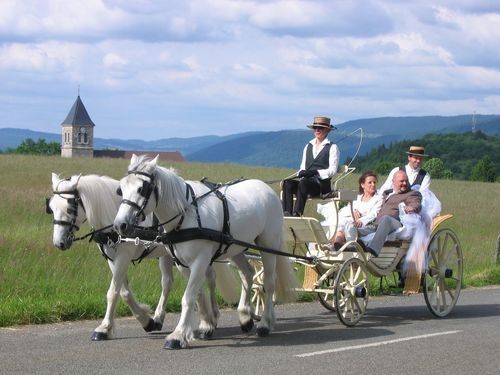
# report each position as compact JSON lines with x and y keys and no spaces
{"x":365,"y":209}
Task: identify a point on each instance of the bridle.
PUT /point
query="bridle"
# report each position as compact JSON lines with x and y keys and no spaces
{"x":73,"y":203}
{"x":145,"y":191}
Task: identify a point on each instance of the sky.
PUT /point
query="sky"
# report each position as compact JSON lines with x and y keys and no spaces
{"x":149,"y":69}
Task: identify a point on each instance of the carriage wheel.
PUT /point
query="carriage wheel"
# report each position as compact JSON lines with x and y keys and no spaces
{"x":258,"y":293}
{"x":443,"y":278}
{"x":327,"y":298}
{"x":351,"y":292}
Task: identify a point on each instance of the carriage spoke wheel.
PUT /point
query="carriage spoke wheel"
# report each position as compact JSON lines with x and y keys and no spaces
{"x":443,"y":279}
{"x":351,"y":292}
{"x":258,"y":293}
{"x":327,"y":298}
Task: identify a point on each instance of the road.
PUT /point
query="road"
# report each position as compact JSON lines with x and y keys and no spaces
{"x":398,"y":335}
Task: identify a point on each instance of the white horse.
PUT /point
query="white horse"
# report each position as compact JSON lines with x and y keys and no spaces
{"x":254,"y":216}
{"x":94,"y":198}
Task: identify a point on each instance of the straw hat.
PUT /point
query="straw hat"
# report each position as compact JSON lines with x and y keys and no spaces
{"x":417,"y":151}
{"x":323,"y":122}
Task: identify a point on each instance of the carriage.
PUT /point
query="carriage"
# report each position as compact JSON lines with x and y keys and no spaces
{"x":340,"y":278}
{"x":207,"y":222}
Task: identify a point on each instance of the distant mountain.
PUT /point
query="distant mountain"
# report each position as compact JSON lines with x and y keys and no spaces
{"x":284,"y":148}
{"x":11,"y":138}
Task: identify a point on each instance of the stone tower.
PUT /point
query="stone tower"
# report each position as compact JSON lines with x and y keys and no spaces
{"x":77,"y":132}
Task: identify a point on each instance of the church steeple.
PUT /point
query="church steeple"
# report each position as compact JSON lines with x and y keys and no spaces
{"x":78,"y":115}
{"x":77,"y":132}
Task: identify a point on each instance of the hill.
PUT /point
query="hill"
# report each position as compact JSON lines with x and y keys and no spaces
{"x":11,"y":138}
{"x":283,"y":148}
{"x":459,"y":152}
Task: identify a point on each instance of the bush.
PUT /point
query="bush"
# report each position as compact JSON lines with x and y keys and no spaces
{"x":40,"y":147}
{"x":484,"y":170}
{"x":435,"y":167}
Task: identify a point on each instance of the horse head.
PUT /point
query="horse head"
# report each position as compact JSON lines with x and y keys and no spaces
{"x":67,"y":209}
{"x":139,"y":194}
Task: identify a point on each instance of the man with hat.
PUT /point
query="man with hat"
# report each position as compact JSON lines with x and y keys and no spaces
{"x":320,"y":160}
{"x":418,"y":178}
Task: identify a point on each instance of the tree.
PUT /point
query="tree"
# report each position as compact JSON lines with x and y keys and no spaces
{"x":435,"y":167}
{"x":383,"y":167}
{"x":41,"y":147}
{"x":484,"y":170}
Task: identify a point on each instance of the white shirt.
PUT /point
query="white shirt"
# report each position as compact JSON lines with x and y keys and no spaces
{"x":333,"y":161}
{"x":412,"y":175}
{"x":367,"y":209}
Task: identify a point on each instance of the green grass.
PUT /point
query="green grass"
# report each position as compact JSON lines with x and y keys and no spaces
{"x":41,"y":284}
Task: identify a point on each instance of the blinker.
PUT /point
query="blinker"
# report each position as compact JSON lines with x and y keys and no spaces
{"x":48,"y":210}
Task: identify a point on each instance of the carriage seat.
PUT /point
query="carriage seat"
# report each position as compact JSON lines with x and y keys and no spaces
{"x":342,"y":172}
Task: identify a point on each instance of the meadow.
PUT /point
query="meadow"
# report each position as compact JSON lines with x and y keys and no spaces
{"x":41,"y":284}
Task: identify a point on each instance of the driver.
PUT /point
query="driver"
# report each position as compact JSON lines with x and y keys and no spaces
{"x":320,"y":160}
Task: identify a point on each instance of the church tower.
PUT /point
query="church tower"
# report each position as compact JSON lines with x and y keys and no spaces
{"x":77,"y":132}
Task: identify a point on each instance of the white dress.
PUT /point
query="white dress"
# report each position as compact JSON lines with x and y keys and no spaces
{"x":368,"y":211}
{"x":345,"y":223}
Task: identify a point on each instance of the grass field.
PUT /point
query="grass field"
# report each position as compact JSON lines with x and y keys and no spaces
{"x":41,"y":284}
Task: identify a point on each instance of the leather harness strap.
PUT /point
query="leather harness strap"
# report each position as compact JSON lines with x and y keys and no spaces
{"x":182,"y":235}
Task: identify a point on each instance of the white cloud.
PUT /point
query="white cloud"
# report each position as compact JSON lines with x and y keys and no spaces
{"x":212,"y":61}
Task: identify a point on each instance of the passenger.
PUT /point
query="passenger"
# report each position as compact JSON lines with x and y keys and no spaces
{"x":320,"y":160}
{"x":365,"y":209}
{"x":388,"y":219}
{"x":418,"y":178}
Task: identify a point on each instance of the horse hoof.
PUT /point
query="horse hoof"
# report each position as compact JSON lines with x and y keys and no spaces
{"x":99,"y":336}
{"x":247,"y":327}
{"x":262,"y":331}
{"x":153,"y":326}
{"x":172,"y":345}
{"x":206,"y":335}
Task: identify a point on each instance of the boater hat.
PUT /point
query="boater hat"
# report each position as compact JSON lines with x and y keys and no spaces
{"x":323,"y":122}
{"x":417,"y":151}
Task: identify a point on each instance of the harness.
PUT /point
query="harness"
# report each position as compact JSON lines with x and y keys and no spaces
{"x":223,"y":237}
{"x":100,"y":236}
{"x":72,"y":208}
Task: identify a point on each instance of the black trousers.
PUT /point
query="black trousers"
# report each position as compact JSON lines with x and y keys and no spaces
{"x":302,"y":189}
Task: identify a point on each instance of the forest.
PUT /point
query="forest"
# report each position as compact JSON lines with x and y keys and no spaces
{"x":456,"y":155}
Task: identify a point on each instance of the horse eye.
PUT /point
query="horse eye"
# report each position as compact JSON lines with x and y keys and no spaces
{"x":119,"y":191}
{"x":139,"y":190}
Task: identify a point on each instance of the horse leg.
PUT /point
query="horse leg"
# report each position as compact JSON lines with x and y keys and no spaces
{"x":184,"y":331}
{"x":106,"y":329}
{"x":141,"y":311}
{"x":167,"y":278}
{"x":268,"y":319}
{"x":245,"y":307}
{"x":208,"y":313}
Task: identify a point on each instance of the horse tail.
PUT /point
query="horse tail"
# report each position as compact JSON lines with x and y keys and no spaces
{"x":286,"y":280}
{"x":226,"y":282}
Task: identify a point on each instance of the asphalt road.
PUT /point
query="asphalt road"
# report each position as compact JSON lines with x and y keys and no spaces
{"x":398,"y":335}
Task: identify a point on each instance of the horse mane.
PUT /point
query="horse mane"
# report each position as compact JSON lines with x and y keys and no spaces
{"x":99,"y":198}
{"x":171,"y":187}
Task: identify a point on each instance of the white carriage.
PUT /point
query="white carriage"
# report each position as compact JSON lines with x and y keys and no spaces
{"x":341,"y":278}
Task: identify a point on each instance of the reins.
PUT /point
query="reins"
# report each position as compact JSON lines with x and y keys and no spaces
{"x":224,"y":237}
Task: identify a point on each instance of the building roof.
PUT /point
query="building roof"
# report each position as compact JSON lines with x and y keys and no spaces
{"x":78,"y":115}
{"x":163,"y":155}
